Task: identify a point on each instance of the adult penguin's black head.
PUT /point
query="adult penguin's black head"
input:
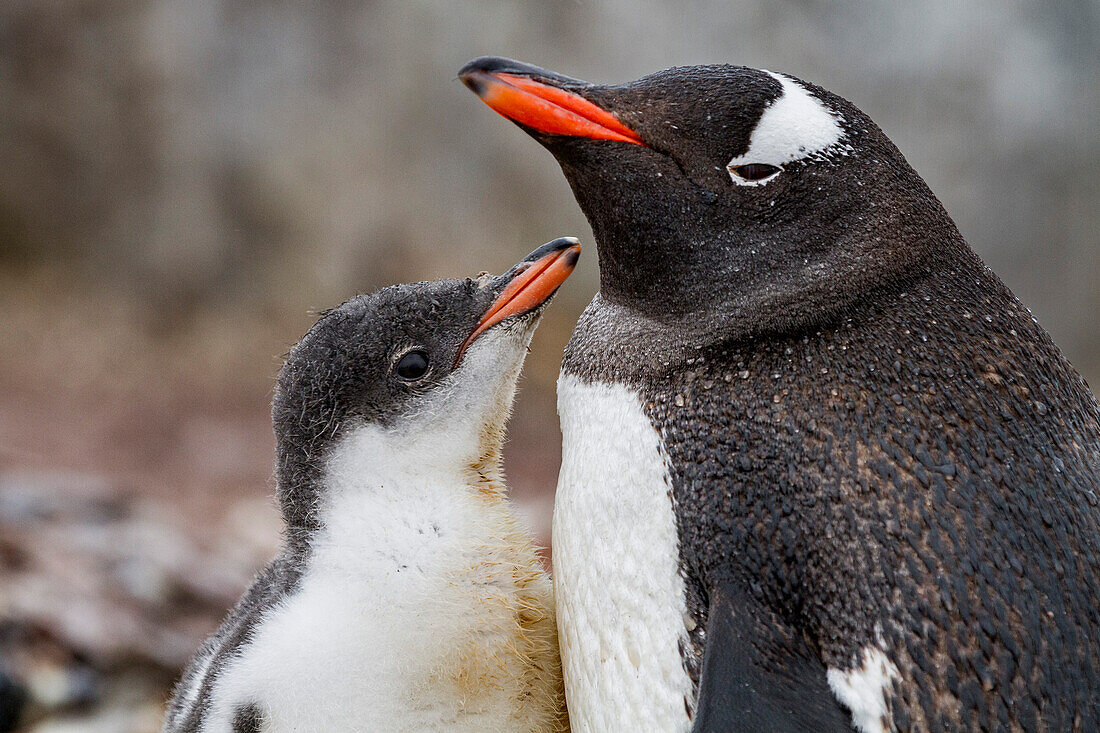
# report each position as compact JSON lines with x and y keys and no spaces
{"x":771,"y":204}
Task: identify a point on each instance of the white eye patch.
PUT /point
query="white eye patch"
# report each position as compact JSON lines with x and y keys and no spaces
{"x":795,"y":126}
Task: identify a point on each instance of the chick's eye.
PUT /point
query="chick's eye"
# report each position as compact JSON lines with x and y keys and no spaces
{"x":412,"y":365}
{"x":753,"y":171}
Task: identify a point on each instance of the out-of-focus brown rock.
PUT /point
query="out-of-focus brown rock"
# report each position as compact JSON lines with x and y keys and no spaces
{"x":98,"y":584}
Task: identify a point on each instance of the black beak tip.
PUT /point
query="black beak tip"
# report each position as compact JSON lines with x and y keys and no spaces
{"x":555,"y":245}
{"x":474,"y":81}
{"x":482,"y":65}
{"x":487,"y":65}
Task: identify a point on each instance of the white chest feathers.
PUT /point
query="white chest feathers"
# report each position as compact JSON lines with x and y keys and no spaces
{"x":617,"y":579}
{"x":423,"y":608}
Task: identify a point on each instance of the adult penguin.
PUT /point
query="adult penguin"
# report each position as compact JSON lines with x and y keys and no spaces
{"x":821,"y":468}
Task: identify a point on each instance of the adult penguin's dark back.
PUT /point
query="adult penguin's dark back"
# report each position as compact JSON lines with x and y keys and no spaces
{"x":830,"y":462}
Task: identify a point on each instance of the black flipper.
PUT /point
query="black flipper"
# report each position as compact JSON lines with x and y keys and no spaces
{"x":248,"y":719}
{"x":759,"y":674}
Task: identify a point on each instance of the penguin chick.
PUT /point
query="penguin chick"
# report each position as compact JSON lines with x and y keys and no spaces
{"x":407,"y":595}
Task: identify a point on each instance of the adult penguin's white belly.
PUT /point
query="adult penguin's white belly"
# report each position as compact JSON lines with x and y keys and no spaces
{"x":617,"y":581}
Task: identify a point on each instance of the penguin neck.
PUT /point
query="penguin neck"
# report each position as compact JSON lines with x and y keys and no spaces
{"x":620,"y":337}
{"x":706,"y":273}
{"x":614,"y":343}
{"x":382,"y":491}
{"x":660,"y":318}
{"x":393,"y":472}
{"x":656,"y":261}
{"x":442,"y":448}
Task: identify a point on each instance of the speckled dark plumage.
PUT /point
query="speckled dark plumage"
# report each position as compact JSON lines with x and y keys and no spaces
{"x":871,"y":440}
{"x":894,"y":470}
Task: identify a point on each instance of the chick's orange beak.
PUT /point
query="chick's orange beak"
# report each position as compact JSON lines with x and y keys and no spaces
{"x":532,"y":283}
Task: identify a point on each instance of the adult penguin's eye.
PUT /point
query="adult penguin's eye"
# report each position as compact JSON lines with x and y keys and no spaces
{"x":752,"y":172}
{"x":413,"y":365}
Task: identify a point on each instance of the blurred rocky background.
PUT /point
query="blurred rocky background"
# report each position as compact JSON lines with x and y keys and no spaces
{"x":183,"y":183}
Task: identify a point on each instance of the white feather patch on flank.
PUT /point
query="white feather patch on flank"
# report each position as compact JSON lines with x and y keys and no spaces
{"x":617,"y":577}
{"x":797,"y":125}
{"x":863,"y":689}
